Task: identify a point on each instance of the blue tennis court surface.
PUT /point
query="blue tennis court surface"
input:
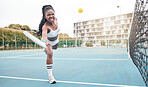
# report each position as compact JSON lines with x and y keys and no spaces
{"x":81,"y":67}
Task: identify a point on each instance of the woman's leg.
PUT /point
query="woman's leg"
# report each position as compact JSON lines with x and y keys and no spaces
{"x":49,"y":63}
{"x":49,"y":53}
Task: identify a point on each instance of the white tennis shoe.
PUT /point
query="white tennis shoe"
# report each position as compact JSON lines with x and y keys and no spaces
{"x":52,"y":80}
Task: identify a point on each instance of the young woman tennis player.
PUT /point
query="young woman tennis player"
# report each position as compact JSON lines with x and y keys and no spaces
{"x":48,"y":29}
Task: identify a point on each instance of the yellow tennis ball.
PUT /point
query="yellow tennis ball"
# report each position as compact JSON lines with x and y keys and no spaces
{"x":80,"y":10}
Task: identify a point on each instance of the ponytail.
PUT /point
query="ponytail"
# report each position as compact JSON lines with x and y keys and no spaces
{"x":41,"y":25}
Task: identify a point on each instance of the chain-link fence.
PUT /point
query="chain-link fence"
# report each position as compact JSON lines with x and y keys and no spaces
{"x":15,"y":39}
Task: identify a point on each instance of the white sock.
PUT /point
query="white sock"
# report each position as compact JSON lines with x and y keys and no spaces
{"x":49,"y":69}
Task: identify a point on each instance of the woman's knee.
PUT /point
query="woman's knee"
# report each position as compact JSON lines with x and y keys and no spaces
{"x":50,"y":53}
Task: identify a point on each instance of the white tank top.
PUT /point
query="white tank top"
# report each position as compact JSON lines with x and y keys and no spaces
{"x":53,"y":33}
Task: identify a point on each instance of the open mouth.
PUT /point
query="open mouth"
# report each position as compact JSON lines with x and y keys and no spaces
{"x":51,"y":19}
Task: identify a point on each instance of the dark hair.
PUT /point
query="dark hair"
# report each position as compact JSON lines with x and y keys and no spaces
{"x":44,"y":9}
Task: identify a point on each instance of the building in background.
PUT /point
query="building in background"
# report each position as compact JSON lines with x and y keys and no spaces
{"x":106,"y":31}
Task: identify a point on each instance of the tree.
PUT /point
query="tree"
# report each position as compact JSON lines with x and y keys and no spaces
{"x":11,"y":26}
{"x":117,"y":41}
{"x":15,"y":26}
{"x":1,"y":38}
{"x":19,"y":27}
{"x":88,"y":44}
{"x":25,"y":27}
{"x":63,"y":36}
{"x":102,"y":42}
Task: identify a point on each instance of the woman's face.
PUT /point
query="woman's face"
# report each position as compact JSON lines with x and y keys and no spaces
{"x":50,"y":15}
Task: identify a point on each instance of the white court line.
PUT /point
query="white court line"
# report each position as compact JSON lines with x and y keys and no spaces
{"x":86,"y":59}
{"x":85,"y":83}
{"x":19,"y":56}
{"x":64,"y":58}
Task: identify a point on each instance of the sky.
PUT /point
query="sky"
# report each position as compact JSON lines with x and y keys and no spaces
{"x":29,"y":12}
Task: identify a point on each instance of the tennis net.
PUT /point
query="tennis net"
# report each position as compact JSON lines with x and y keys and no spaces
{"x":138,"y":39}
